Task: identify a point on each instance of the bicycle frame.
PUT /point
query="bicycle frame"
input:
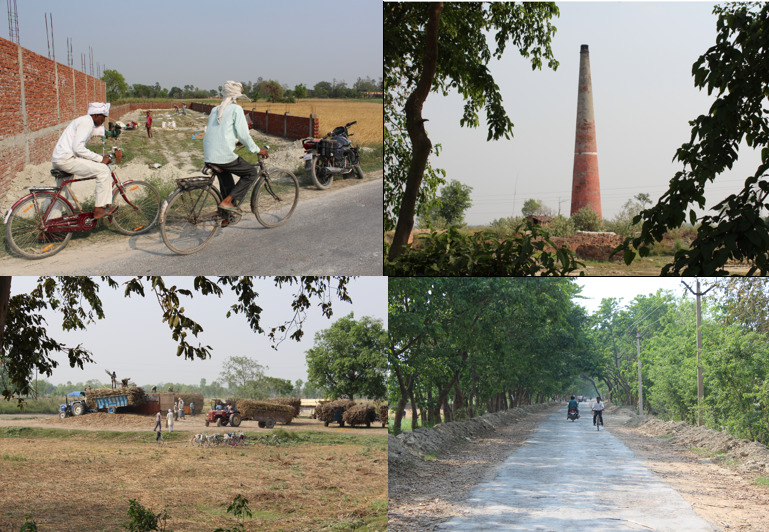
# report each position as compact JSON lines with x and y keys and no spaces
{"x":80,"y":221}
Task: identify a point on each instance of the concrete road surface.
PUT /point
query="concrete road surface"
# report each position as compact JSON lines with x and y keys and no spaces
{"x":568,"y":477}
{"x":335,"y":234}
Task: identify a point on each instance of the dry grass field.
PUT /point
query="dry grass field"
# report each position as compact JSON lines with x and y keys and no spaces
{"x":83,"y":479}
{"x":332,"y":113}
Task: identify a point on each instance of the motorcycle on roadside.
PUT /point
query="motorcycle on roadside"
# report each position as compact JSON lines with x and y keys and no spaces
{"x":332,"y":155}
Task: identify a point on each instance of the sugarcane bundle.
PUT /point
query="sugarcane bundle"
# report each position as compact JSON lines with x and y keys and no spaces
{"x":135,"y":395}
{"x":325,"y":412}
{"x":384,"y":413}
{"x":188,"y":398}
{"x":359,"y":415}
{"x":249,"y":409}
{"x":294,"y":402}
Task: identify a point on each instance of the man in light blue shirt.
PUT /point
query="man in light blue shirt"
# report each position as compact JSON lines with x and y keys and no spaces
{"x":226,"y":126}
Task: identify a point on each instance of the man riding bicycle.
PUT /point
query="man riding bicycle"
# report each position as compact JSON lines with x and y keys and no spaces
{"x":598,"y":407}
{"x":226,"y":126}
{"x":71,"y":156}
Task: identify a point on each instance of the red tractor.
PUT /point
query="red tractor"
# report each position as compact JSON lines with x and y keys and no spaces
{"x":222,"y":416}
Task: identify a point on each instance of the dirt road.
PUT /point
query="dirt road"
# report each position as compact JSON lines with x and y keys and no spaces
{"x":568,"y":476}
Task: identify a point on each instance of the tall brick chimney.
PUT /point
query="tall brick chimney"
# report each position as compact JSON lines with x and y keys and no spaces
{"x":585,"y":188}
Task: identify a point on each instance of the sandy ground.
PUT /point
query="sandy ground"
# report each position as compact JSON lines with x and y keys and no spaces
{"x":425,"y":494}
{"x":132,"y":422}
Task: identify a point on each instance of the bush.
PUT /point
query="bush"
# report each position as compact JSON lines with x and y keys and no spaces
{"x":453,"y":253}
{"x":143,"y":519}
{"x":586,"y":219}
{"x":561,"y":226}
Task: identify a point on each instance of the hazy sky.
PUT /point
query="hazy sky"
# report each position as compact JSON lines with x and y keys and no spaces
{"x":205,"y":43}
{"x":133,"y":341}
{"x":641,"y":56}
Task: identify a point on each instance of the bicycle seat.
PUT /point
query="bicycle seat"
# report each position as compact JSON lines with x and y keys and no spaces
{"x":60,"y":174}
{"x":42,"y":189}
{"x":216,"y":169}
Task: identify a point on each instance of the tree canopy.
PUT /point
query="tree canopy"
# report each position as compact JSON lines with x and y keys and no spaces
{"x":736,"y":69}
{"x":437,"y":47}
{"x":349,"y":360}
{"x":25,"y":345}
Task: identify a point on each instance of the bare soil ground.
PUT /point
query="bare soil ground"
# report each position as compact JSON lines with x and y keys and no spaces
{"x":423,"y":493}
{"x":83,"y":479}
{"x":720,"y":487}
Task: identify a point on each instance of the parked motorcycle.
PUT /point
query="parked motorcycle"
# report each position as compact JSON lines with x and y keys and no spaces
{"x":573,"y":414}
{"x":332,"y":155}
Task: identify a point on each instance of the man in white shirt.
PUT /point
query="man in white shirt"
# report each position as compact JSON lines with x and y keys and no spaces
{"x":598,"y":408}
{"x":71,"y":156}
{"x":226,"y":126}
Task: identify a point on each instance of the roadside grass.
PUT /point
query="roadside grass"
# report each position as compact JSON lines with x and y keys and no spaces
{"x":762,"y":481}
{"x":43,"y":405}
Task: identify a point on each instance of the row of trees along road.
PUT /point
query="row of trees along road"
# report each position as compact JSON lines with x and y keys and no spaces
{"x":463,"y":347}
{"x":470,"y":346}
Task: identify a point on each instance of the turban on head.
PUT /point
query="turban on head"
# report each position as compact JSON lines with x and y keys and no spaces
{"x":97,"y":108}
{"x":232,"y":91}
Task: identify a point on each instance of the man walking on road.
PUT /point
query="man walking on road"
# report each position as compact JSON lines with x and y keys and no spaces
{"x":598,"y":410}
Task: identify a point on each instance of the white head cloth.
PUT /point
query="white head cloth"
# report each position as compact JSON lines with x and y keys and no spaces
{"x":97,"y":108}
{"x":232,"y":91}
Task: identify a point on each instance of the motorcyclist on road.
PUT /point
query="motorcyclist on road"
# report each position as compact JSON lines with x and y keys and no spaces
{"x":573,"y":405}
{"x":598,"y":407}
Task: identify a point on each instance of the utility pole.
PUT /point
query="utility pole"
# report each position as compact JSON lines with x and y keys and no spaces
{"x":700,"y":382}
{"x":640,"y":380}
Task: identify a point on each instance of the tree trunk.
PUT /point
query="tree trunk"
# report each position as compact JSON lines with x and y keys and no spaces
{"x":5,"y":298}
{"x":420,"y":143}
{"x":400,"y":407}
{"x":459,"y":400}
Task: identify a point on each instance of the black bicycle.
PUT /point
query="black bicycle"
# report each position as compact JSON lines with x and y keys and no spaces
{"x":190,"y":216}
{"x":598,"y":419}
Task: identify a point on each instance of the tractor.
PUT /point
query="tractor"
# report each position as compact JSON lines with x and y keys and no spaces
{"x":76,"y":407}
{"x":222,"y":416}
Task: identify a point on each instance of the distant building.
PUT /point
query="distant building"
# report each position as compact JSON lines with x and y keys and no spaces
{"x":540,"y":220}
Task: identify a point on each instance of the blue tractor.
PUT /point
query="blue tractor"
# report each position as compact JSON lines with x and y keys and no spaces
{"x":74,"y":406}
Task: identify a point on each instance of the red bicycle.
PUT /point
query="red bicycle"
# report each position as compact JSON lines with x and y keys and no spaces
{"x":41,"y":223}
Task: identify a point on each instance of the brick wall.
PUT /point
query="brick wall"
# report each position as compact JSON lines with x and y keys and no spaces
{"x":38,"y":99}
{"x":285,"y":125}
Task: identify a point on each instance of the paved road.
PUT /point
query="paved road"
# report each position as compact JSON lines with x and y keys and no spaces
{"x":568,"y":477}
{"x":335,"y":234}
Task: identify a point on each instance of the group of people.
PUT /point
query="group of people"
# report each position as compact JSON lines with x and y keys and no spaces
{"x":177,"y":412}
{"x":227,"y":126}
{"x":597,"y":408}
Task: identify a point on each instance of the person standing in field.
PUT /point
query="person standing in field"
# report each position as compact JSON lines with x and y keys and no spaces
{"x":170,"y":420}
{"x":181,"y":408}
{"x":157,"y":421}
{"x":149,"y":124}
{"x":192,"y":409}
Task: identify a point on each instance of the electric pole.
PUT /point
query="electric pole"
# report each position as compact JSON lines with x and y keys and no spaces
{"x":640,"y":380}
{"x":700,"y":383}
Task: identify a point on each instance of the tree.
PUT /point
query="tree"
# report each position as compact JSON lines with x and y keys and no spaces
{"x":348,"y":359}
{"x":300,"y":91}
{"x":115,"y":84}
{"x":322,"y":89}
{"x":414,"y":35}
{"x":622,"y":224}
{"x":240,"y":371}
{"x":737,"y":70}
{"x":25,"y":345}
{"x":531,"y":207}
{"x":449,"y":209}
{"x":273,"y":89}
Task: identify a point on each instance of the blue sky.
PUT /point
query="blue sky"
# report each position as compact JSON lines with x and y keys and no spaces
{"x":204,"y":44}
{"x":133,"y":341}
{"x":641,"y":54}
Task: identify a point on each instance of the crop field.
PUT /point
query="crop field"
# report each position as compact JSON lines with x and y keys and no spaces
{"x":332,"y":113}
{"x":78,"y":480}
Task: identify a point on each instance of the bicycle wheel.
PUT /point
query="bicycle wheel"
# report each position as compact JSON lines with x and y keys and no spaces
{"x":24,"y":231}
{"x":189,"y":220}
{"x":138,"y":208}
{"x":275,"y":198}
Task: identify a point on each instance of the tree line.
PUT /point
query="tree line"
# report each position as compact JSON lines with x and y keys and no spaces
{"x":463,"y":347}
{"x":261,"y":89}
